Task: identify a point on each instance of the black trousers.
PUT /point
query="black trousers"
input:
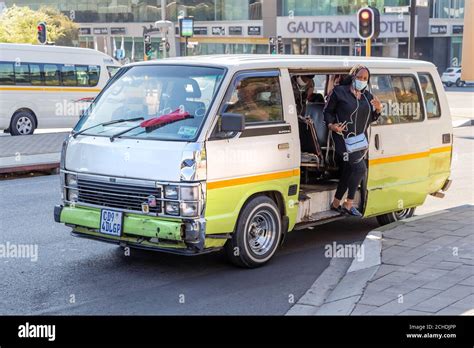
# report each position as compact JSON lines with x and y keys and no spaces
{"x":353,"y":171}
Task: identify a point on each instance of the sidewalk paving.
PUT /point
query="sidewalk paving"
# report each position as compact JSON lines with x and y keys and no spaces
{"x":420,"y":266}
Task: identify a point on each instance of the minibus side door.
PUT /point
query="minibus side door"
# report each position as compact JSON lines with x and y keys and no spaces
{"x":398,"y":162}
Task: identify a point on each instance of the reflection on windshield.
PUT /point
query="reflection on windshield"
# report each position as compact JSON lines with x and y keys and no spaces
{"x":152,"y":91}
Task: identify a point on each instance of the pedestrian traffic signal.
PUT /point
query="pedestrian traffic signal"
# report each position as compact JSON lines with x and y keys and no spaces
{"x":148,"y":48}
{"x":368,"y":23}
{"x":272,"y":44}
{"x":280,"y":47}
{"x":42,"y":33}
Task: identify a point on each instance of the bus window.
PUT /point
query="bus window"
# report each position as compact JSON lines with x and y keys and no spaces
{"x":94,"y":73}
{"x":6,"y":74}
{"x":82,"y":75}
{"x":68,"y":74}
{"x":51,"y":75}
{"x":35,"y":74}
{"x":112,"y":70}
{"x":22,"y":74}
{"x":431,"y":97}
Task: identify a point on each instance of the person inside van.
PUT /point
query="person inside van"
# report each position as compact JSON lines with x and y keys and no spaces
{"x":349,"y":110}
{"x":247,"y":104}
{"x":303,"y":89}
{"x":430,"y":99}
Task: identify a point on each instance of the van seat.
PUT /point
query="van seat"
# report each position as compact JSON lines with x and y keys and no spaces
{"x":315,"y":111}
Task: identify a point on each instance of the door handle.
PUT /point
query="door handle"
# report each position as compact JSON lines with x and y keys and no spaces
{"x":377,"y":142}
{"x":283,"y":146}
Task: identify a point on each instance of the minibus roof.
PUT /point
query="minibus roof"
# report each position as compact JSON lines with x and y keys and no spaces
{"x":258,"y":61}
{"x":5,"y":47}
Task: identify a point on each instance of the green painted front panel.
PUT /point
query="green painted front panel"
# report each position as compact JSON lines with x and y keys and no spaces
{"x":396,"y":185}
{"x":223,"y":205}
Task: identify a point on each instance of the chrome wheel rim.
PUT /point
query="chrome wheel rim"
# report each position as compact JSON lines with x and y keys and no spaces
{"x":402,"y":214}
{"x":24,"y":125}
{"x":261,"y":233}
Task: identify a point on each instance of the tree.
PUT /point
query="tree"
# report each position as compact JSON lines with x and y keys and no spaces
{"x":19,"y":25}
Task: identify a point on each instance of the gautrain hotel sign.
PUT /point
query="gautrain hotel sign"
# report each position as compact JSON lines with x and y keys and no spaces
{"x":391,"y":26}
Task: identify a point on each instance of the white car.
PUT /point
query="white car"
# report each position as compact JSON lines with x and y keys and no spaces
{"x":453,"y":76}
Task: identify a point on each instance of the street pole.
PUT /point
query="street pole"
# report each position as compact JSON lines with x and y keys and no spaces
{"x":368,"y":47}
{"x":411,"y":42}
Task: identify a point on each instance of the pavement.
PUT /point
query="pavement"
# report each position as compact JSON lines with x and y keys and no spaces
{"x":419,"y":266}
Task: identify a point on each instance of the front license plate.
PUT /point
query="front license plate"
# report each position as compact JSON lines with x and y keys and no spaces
{"x":111,"y":222}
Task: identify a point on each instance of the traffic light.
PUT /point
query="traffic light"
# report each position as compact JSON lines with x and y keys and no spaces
{"x":148,"y":47}
{"x":272,"y":44}
{"x":281,"y":49}
{"x":368,"y":23}
{"x":42,"y":33}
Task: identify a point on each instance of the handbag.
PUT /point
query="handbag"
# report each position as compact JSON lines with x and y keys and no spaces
{"x":356,"y":143}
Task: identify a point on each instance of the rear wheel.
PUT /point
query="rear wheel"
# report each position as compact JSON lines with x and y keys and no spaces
{"x":386,"y":219}
{"x":460,"y":83}
{"x":23,"y":123}
{"x":257,"y":234}
{"x":448,"y":84}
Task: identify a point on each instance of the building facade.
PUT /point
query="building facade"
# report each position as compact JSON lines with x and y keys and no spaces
{"x":244,"y":26}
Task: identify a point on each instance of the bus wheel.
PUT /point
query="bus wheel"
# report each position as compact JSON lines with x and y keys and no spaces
{"x":23,"y":123}
{"x":386,"y":219}
{"x":257,"y":234}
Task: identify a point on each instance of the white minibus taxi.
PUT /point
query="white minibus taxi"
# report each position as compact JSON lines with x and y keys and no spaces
{"x":48,"y":86}
{"x":158,"y":162}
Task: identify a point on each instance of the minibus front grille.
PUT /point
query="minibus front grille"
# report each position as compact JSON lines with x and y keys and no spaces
{"x":120,"y":196}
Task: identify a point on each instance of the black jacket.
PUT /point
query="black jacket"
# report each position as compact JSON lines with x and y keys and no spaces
{"x":341,"y":104}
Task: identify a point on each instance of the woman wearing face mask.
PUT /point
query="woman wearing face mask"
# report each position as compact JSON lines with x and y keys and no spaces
{"x":349,"y":109}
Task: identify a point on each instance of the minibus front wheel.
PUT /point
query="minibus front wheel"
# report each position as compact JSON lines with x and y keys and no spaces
{"x":257,"y":233}
{"x":394,"y":216}
{"x":23,"y":123}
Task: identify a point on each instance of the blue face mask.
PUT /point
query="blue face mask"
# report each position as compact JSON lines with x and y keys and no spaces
{"x":360,"y":85}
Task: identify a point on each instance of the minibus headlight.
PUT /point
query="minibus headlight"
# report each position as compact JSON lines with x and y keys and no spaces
{"x":71,"y":180}
{"x":171,"y":192}
{"x":189,"y":193}
{"x":72,"y":195}
{"x":189,"y":209}
{"x":172,"y":208}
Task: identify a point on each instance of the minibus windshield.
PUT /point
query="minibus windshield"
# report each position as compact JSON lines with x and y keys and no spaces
{"x":149,"y":92}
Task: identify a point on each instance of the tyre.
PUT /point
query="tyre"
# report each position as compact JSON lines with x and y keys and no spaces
{"x":23,"y":123}
{"x":257,"y":234}
{"x":386,"y":219}
{"x":448,"y":84}
{"x":460,"y":83}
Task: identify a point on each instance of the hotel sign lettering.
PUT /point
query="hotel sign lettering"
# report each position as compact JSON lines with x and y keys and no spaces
{"x":338,"y":26}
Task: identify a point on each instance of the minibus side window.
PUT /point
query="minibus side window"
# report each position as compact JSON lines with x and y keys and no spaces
{"x":68,"y":73}
{"x":94,"y":72}
{"x":51,"y":75}
{"x":22,"y":74}
{"x":35,"y":75}
{"x":258,"y":99}
{"x":82,"y":75}
{"x":400,"y":98}
{"x":6,"y":74}
{"x":430,"y":95}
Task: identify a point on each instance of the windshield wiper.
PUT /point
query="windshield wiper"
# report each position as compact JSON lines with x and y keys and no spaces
{"x":108,"y":123}
{"x":153,"y":126}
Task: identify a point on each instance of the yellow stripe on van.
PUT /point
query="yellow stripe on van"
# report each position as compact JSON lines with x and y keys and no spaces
{"x":409,"y":156}
{"x":50,"y":89}
{"x":253,"y":179}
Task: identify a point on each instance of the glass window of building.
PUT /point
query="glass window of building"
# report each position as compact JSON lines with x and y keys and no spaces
{"x":447,"y":9}
{"x":210,"y":10}
{"x":332,"y":7}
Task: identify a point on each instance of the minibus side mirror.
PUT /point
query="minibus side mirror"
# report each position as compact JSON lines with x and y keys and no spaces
{"x":232,"y":122}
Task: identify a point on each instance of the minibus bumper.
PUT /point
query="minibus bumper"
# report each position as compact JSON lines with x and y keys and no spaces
{"x":186,"y":237}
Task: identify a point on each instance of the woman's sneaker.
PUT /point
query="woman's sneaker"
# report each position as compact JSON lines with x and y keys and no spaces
{"x":352,"y":211}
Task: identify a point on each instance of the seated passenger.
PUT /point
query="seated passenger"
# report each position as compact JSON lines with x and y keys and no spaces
{"x":247,"y":104}
{"x":303,"y":88}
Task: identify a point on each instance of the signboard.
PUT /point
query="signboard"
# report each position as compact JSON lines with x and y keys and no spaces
{"x":438,"y":29}
{"x":117,"y":31}
{"x":397,"y":9}
{"x":253,"y":30}
{"x":218,"y":30}
{"x":235,"y":30}
{"x":186,"y":27}
{"x":391,"y":26}
{"x":458,"y":29}
{"x":200,"y":30}
{"x":84,"y":31}
{"x":100,"y":31}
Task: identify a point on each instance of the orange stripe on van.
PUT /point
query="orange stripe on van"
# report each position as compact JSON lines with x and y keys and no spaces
{"x":253,"y":179}
{"x":409,"y":156}
{"x":50,"y":89}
